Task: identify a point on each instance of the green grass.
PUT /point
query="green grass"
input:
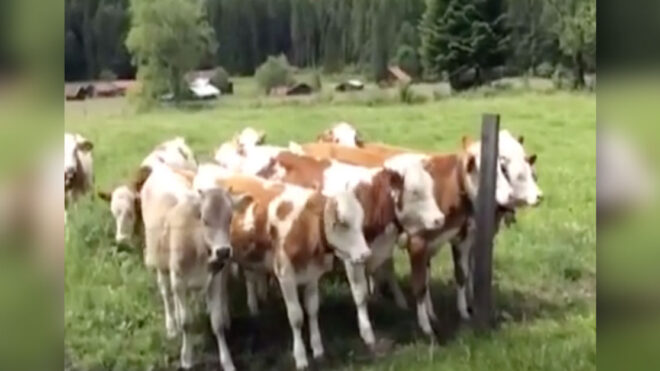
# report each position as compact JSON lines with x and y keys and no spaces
{"x":545,"y":266}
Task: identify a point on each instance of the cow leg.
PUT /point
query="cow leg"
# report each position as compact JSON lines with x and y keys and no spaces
{"x":294,"y":311}
{"x":251,"y":282}
{"x":419,"y":263}
{"x":184,"y":318}
{"x":312,"y":308}
{"x":461,"y":254}
{"x":386,"y":273}
{"x":171,"y":325}
{"x":427,"y":297}
{"x":359,"y":288}
{"x":218,"y":299}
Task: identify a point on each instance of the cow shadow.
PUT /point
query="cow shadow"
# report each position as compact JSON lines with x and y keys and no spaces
{"x":264,"y":342}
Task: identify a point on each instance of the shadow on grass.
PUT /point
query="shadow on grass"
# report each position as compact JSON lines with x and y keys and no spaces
{"x":264,"y":343}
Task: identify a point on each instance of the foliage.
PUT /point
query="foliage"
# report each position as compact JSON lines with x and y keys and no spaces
{"x":464,"y":37}
{"x":220,"y":78}
{"x":168,"y":38}
{"x":316,"y":82}
{"x":406,"y":57}
{"x":275,"y":72}
{"x":574,"y":24}
{"x":544,"y":69}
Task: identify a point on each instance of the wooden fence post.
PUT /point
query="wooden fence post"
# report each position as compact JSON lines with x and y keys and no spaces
{"x":485,"y":223}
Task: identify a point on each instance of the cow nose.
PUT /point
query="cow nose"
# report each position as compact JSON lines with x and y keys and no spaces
{"x":539,"y":198}
{"x":222,"y":254}
{"x":362,"y":257}
{"x":438,"y":222}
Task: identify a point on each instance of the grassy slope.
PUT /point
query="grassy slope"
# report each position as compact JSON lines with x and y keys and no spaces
{"x":544,"y":266}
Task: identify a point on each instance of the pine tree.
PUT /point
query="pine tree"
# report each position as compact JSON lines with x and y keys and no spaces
{"x":431,"y":35}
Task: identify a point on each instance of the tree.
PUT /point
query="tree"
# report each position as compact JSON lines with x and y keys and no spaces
{"x":575,"y":27}
{"x":431,"y":35}
{"x":167,"y":39}
{"x":273,"y":73}
{"x":464,"y":41}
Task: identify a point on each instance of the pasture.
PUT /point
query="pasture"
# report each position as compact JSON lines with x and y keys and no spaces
{"x":545,"y":265}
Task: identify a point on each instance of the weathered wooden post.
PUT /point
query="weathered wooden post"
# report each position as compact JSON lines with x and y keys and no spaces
{"x":485,"y":223}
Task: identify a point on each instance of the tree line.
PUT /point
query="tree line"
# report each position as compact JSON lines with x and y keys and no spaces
{"x":430,"y":39}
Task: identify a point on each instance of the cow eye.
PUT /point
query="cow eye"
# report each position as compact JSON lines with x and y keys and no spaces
{"x":505,"y":171}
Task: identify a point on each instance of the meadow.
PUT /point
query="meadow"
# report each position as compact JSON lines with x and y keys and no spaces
{"x":545,"y":265}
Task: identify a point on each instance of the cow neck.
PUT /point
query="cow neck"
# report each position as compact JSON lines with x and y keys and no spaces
{"x":463,"y":194}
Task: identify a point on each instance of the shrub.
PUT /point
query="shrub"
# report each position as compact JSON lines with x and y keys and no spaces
{"x":220,"y":78}
{"x":545,"y":69}
{"x":107,"y":75}
{"x":315,"y":82}
{"x":407,"y":58}
{"x":276,"y":71}
{"x":408,"y":96}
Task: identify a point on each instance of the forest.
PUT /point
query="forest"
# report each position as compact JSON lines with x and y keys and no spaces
{"x":429,"y":39}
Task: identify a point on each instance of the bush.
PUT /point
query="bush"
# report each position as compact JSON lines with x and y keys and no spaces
{"x":276,"y":71}
{"x":315,"y":82}
{"x":545,"y":69}
{"x":220,"y":79}
{"x":107,"y":75}
{"x":407,"y":58}
{"x":408,"y":96}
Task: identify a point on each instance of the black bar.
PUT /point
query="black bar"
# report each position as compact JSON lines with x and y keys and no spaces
{"x":485,"y":223}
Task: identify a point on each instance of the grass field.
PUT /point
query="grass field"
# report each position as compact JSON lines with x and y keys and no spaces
{"x":545,"y":265}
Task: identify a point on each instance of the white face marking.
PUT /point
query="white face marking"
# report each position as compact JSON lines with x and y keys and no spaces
{"x":174,"y":152}
{"x":345,"y":134}
{"x":216,"y":210}
{"x":344,"y":230}
{"x":503,"y":191}
{"x":517,"y":170}
{"x":70,"y":148}
{"x":339,"y":177}
{"x":419,"y":209}
{"x":249,"y":137}
{"x":122,"y":206}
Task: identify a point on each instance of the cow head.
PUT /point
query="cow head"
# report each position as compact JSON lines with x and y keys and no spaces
{"x":76,"y":147}
{"x":471,"y":162}
{"x":216,"y":210}
{"x":416,"y":207}
{"x":174,"y":153}
{"x":249,"y":137}
{"x":343,"y":217}
{"x":343,"y":134}
{"x":518,"y":169}
{"x":124,"y":205}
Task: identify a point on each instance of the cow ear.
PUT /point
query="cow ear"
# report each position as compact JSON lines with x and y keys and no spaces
{"x":241,"y":201}
{"x":85,"y":146}
{"x":358,"y":139}
{"x":325,"y":136}
{"x":104,"y":195}
{"x":521,"y":139}
{"x":471,"y":164}
{"x":532,"y":159}
{"x":467,"y":141}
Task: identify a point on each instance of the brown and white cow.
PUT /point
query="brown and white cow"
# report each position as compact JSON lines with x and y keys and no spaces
{"x":125,"y":199}
{"x":455,"y":179}
{"x":393,"y":200}
{"x":78,"y":166}
{"x":293,"y":232}
{"x":187,"y":244}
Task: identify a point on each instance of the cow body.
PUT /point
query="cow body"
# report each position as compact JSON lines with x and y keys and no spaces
{"x":78,"y":167}
{"x":292,"y":232}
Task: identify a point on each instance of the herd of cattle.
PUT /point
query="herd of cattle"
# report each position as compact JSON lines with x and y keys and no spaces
{"x":287,"y":213}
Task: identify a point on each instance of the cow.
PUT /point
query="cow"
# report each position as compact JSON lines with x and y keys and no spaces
{"x":78,"y":167}
{"x":393,"y":199}
{"x":293,"y":233}
{"x":187,"y":243}
{"x":125,"y":199}
{"x":341,"y":133}
{"x":455,"y":178}
{"x":231,"y":154}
